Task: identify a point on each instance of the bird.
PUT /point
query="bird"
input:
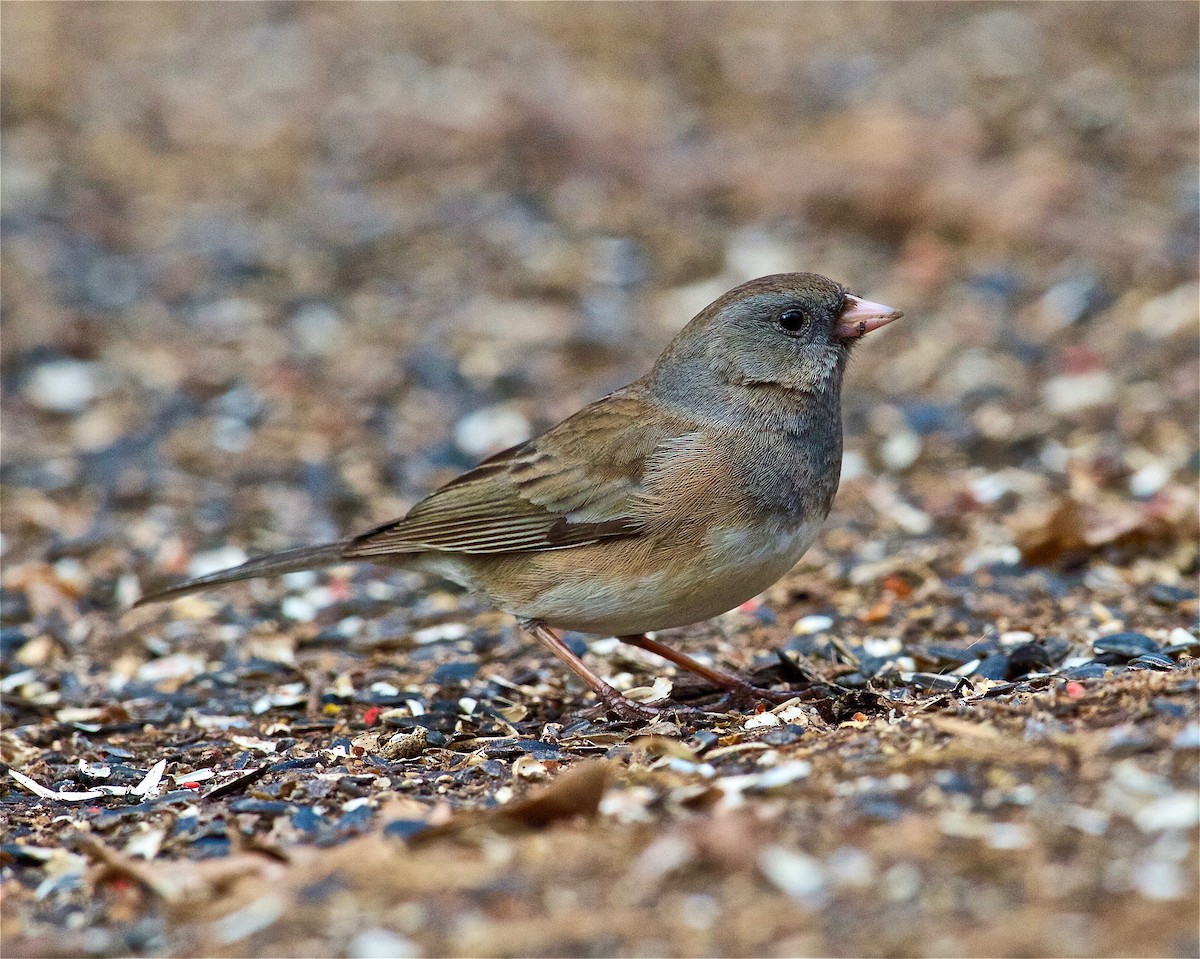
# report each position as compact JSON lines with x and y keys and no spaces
{"x":667,"y":502}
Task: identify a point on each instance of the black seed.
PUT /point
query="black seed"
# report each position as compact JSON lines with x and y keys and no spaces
{"x":783,"y":735}
{"x":405,"y":828}
{"x":265,"y":807}
{"x":995,"y":666}
{"x":1152,"y":661}
{"x":1166,"y":595}
{"x":1128,"y":645}
{"x":703,"y":739}
{"x":1028,"y":658}
{"x":1090,"y":671}
{"x":459,"y":672}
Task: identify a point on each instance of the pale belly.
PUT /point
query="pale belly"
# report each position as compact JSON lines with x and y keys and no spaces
{"x":607,"y":598}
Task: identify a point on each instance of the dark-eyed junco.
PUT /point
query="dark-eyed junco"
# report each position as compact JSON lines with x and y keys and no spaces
{"x":678,"y":497}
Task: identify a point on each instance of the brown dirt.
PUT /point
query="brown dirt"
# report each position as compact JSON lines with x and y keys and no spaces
{"x":274,"y":271}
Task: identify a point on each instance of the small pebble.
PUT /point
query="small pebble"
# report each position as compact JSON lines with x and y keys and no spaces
{"x":298,"y":608}
{"x":63,"y":386}
{"x":793,"y":873}
{"x":676,"y":764}
{"x":302,"y":579}
{"x":245,"y":922}
{"x":1009,"y":835}
{"x":889,"y":646}
{"x":850,"y":867}
{"x":699,"y":911}
{"x":1165,"y":315}
{"x":1178,"y":810}
{"x":490,"y":430}
{"x":1159,"y":880}
{"x":1149,"y":479}
{"x":229,"y":319}
{"x":1181,"y":637}
{"x":350,"y":627}
{"x":177,"y":666}
{"x":1006,"y":555}
{"x":1075,"y":299}
{"x":760,"y":720}
{"x":1080,"y":391}
{"x":214,"y":560}
{"x":784,"y":775}
{"x":441,"y":633}
{"x":854,"y":465}
{"x":1187,"y":738}
{"x":902,"y":882}
{"x":382,"y":944}
{"x":812,"y":624}
{"x":989,"y":488}
{"x":317,"y":329}
{"x":405,"y":745}
{"x":900,"y":450}
{"x":1094,"y":822}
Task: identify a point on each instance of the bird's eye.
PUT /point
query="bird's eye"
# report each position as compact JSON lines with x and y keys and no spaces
{"x":792,"y":321}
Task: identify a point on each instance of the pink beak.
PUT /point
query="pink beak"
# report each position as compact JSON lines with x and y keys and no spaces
{"x":859,"y":317}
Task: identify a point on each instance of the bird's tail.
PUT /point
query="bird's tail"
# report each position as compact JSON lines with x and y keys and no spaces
{"x":273,"y":564}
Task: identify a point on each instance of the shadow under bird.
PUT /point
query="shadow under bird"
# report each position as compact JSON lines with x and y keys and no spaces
{"x":670,"y":501}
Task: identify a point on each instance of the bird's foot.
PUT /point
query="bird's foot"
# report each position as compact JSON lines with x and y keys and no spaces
{"x":746,"y":694}
{"x":625,"y":708}
{"x":738,"y":691}
{"x":611,"y":699}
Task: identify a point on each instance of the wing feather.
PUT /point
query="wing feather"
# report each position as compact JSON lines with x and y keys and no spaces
{"x":579,"y":483}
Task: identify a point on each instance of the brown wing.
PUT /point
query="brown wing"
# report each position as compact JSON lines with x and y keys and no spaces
{"x":579,"y":483}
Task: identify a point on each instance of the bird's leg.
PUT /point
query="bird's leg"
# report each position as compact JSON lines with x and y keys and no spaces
{"x":608,"y":694}
{"x":737,"y":687}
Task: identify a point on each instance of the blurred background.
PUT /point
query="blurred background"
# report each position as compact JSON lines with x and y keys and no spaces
{"x":272,"y":271}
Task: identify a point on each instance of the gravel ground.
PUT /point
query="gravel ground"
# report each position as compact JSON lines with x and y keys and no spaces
{"x":273,"y":271}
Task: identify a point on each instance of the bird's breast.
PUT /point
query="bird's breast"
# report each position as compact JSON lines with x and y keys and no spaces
{"x":624,"y":587}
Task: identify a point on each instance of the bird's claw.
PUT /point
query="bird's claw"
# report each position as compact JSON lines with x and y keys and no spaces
{"x":625,"y":708}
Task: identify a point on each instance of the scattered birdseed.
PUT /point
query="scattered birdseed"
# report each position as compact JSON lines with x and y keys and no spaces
{"x":347,"y":255}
